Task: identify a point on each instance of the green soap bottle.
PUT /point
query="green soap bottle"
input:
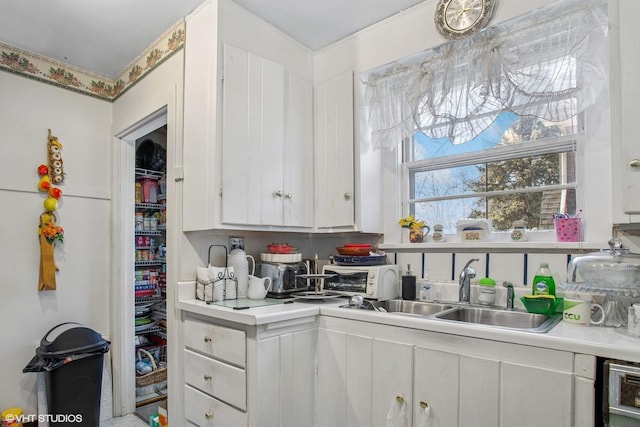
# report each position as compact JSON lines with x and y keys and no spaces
{"x":543,"y":283}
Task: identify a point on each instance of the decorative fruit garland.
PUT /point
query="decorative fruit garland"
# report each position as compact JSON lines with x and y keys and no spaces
{"x":48,"y":231}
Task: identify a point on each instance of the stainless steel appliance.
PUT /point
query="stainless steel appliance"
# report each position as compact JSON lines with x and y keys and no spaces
{"x":284,"y":277}
{"x":622,"y":391}
{"x":379,"y":282}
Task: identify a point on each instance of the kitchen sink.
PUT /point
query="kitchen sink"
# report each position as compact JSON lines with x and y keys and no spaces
{"x":420,"y":308}
{"x":518,"y":320}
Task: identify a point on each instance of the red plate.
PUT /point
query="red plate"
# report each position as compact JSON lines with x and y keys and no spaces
{"x":280,"y":248}
{"x":357,"y":245}
{"x":354,"y":251}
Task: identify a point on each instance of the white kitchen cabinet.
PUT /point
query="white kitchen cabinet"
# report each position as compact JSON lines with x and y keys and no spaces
{"x":626,"y":150}
{"x":463,"y":381}
{"x":373,"y":375}
{"x":201,"y":80}
{"x":258,"y":376}
{"x":285,"y":379}
{"x":267,"y":169}
{"x":392,"y":379}
{"x":334,"y":144}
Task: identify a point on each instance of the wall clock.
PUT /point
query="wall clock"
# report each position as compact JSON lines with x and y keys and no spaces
{"x":457,"y":19}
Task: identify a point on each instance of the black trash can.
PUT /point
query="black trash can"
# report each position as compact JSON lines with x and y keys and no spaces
{"x":71,"y":357}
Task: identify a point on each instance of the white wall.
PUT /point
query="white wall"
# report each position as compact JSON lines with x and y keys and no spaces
{"x":82,"y":124}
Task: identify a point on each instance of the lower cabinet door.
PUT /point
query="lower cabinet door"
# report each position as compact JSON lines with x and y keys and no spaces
{"x":205,"y":411}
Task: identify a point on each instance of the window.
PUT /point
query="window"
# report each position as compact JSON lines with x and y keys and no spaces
{"x":520,"y":168}
{"x":493,"y":126}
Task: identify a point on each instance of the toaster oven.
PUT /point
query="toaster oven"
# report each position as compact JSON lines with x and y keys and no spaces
{"x":379,"y":282}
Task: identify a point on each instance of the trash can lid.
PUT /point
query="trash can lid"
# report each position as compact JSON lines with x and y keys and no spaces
{"x":71,"y":338}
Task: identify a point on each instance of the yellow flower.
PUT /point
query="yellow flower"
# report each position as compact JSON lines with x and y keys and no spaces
{"x":411,"y":222}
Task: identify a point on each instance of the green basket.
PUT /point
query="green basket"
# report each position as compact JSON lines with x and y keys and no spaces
{"x":545,"y":306}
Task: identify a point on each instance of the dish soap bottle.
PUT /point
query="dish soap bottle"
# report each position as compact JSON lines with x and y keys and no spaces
{"x":409,"y":285}
{"x":543,"y":283}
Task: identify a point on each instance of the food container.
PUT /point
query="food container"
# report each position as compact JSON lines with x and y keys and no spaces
{"x":487,"y":291}
{"x":610,"y":269}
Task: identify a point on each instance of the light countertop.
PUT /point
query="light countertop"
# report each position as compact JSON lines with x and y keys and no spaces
{"x":606,"y":342}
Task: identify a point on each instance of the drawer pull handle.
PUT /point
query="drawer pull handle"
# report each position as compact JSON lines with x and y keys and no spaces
{"x":423,"y":404}
{"x":207,"y":377}
{"x":207,"y":339}
{"x":208,"y":415}
{"x":635,"y":163}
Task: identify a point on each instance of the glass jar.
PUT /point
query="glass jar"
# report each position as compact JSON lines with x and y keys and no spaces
{"x":438,"y":235}
{"x":519,"y":232}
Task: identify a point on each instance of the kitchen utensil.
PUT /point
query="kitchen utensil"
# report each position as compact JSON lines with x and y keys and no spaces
{"x":577,"y":311}
{"x":281,"y":248}
{"x":239,"y":260}
{"x":286,"y":258}
{"x":257,"y":288}
{"x":354,"y":250}
{"x":614,"y":268}
{"x":312,"y":295}
{"x":542,"y":304}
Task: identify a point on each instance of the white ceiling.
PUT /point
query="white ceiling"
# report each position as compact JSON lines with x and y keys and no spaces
{"x":104,"y":36}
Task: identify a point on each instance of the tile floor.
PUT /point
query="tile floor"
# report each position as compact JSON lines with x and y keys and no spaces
{"x":126,"y":421}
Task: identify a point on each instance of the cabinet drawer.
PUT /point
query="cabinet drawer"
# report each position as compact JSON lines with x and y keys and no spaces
{"x":222,"y":343}
{"x":222,"y":381}
{"x":205,"y":411}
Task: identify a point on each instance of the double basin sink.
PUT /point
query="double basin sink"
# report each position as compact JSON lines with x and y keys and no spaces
{"x":469,"y":314}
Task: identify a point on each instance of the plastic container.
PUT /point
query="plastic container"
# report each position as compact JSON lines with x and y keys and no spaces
{"x":542,"y":304}
{"x":425,"y":293}
{"x":543,"y":282}
{"x":71,"y":357}
{"x":409,"y":285}
{"x":567,"y":229}
{"x":487,"y":291}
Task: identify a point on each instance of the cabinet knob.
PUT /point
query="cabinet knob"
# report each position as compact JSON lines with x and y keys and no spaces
{"x":347,"y":196}
{"x":400,"y":399}
{"x":208,"y":415}
{"x":207,"y":339}
{"x":289,"y":196}
{"x":279,"y":193}
{"x":635,"y":163}
{"x":207,"y":377}
{"x":423,"y":404}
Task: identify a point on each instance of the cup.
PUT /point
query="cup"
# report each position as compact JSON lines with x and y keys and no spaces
{"x":577,"y":311}
{"x":257,"y":287}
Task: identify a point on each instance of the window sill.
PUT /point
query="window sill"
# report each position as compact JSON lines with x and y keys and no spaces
{"x":494,"y":247}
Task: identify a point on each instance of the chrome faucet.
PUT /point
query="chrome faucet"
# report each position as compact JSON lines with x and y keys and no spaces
{"x":464,"y":279}
{"x":510,"y":295}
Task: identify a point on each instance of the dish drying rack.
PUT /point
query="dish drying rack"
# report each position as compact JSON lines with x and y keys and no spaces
{"x":224,"y":276}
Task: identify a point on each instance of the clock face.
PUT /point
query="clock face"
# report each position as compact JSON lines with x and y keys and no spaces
{"x":456,"y":19}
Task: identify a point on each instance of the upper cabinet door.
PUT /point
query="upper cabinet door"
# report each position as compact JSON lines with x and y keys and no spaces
{"x":334,"y":146}
{"x":298,"y":153}
{"x":266,"y":143}
{"x":626,"y":150}
{"x":201,"y":77}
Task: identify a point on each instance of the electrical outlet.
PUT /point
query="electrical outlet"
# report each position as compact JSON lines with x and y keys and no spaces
{"x":236,"y":242}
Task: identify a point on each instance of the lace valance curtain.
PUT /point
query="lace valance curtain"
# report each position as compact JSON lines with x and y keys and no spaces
{"x":551,"y":63}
